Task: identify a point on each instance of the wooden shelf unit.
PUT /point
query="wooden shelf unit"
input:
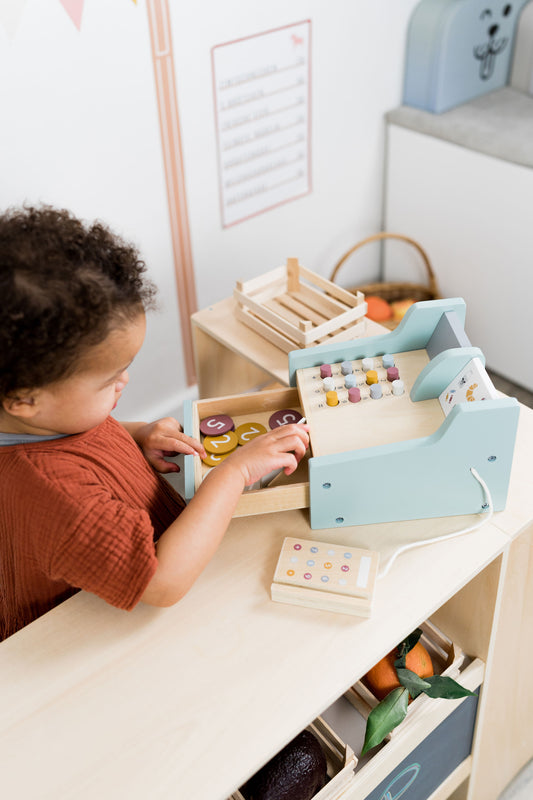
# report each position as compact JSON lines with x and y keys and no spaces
{"x":97,"y":702}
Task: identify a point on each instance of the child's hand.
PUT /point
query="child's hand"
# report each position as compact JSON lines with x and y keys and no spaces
{"x":165,"y":438}
{"x":283,"y":448}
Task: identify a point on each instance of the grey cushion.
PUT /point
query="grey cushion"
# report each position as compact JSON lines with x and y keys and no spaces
{"x":499,"y":124}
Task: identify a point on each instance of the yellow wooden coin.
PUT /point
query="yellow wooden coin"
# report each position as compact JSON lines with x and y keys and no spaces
{"x":221,"y":444}
{"x":211,"y":459}
{"x":248,"y":431}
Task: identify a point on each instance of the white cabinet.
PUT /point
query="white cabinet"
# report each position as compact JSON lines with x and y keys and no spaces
{"x":461,"y":183}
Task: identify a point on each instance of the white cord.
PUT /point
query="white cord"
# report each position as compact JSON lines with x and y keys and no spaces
{"x":412,"y":545}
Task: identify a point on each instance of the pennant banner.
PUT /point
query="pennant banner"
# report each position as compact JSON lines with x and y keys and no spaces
{"x":10,"y":13}
{"x":74,"y":9}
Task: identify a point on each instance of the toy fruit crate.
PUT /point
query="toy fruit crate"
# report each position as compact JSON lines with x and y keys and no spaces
{"x":431,"y":755}
{"x":285,"y":492}
{"x":447,"y":660}
{"x":340,"y":759}
{"x":294,"y":308}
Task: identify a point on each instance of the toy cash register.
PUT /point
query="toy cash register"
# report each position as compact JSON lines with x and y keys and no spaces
{"x":396,"y":424}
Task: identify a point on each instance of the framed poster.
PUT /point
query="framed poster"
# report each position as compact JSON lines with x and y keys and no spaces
{"x":262,"y":92}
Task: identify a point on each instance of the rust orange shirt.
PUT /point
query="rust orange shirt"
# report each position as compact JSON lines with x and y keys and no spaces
{"x":80,"y":512}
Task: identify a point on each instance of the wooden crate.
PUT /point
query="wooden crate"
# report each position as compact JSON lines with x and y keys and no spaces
{"x":295,"y":308}
{"x":431,"y":756}
{"x":447,"y":660}
{"x":340,"y":758}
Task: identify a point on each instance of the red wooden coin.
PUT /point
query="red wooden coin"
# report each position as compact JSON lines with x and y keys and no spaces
{"x":216,"y":425}
{"x":284,"y":417}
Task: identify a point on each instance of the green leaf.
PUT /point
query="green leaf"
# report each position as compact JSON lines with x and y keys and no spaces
{"x":385,"y":717}
{"x":442,"y":686}
{"x":405,"y":646}
{"x":413,"y":682}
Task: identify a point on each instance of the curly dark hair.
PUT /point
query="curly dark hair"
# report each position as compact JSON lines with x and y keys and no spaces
{"x":64,"y":285}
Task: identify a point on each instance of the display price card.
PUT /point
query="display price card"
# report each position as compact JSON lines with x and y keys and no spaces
{"x":262,"y":109}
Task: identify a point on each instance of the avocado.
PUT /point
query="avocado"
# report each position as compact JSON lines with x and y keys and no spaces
{"x":297,"y":772}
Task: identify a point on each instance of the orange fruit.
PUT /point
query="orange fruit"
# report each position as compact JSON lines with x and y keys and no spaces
{"x":382,"y":678}
{"x":399,"y":308}
{"x":378,"y":309}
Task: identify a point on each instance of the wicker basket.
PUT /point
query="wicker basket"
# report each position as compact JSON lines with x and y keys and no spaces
{"x":390,"y":291}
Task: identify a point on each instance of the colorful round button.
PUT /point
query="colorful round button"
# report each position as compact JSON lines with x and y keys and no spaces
{"x":354,"y":394}
{"x":350,"y":381}
{"x":397,"y":387}
{"x":346,"y":367}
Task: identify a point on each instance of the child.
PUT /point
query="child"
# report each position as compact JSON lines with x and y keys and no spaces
{"x":80,"y":505}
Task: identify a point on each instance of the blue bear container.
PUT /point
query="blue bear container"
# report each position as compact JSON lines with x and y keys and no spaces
{"x":458,"y":50}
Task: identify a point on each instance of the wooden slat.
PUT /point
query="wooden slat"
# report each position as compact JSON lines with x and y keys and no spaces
{"x":262,"y":281}
{"x":269,"y":316}
{"x":293,"y":277}
{"x":320,"y":301}
{"x":301,"y":309}
{"x":329,"y":327}
{"x":265,"y":330}
{"x":284,"y":310}
{"x":329,"y":287}
{"x":344,"y":335}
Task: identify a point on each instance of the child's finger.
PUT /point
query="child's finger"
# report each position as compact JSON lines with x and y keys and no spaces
{"x":187,"y":445}
{"x":181,"y":443}
{"x":163,"y":466}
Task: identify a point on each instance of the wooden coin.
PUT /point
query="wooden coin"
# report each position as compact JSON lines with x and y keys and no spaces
{"x":211,"y":459}
{"x":284,"y":417}
{"x":221,"y":444}
{"x":248,"y":431}
{"x":216,"y":425}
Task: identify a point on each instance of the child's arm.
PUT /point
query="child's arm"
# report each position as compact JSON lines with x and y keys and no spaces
{"x":187,"y":545}
{"x":162,"y":438}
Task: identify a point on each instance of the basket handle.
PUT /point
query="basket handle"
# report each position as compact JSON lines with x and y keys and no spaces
{"x":384,"y":235}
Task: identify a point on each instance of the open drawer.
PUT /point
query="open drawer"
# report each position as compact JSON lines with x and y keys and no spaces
{"x":340,"y":761}
{"x":447,"y":659}
{"x":430,"y":753}
{"x":285,"y":492}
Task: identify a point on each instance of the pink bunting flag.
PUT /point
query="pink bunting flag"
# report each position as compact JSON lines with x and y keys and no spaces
{"x":74,"y":9}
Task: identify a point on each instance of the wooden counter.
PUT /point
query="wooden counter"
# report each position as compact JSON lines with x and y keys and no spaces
{"x":187,"y":702}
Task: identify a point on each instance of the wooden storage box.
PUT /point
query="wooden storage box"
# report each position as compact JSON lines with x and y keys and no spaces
{"x":340,"y":759}
{"x":428,"y":758}
{"x":294,"y":308}
{"x":447,"y":660}
{"x":285,"y":492}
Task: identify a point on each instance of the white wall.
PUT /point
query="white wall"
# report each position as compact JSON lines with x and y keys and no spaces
{"x":80,"y":129}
